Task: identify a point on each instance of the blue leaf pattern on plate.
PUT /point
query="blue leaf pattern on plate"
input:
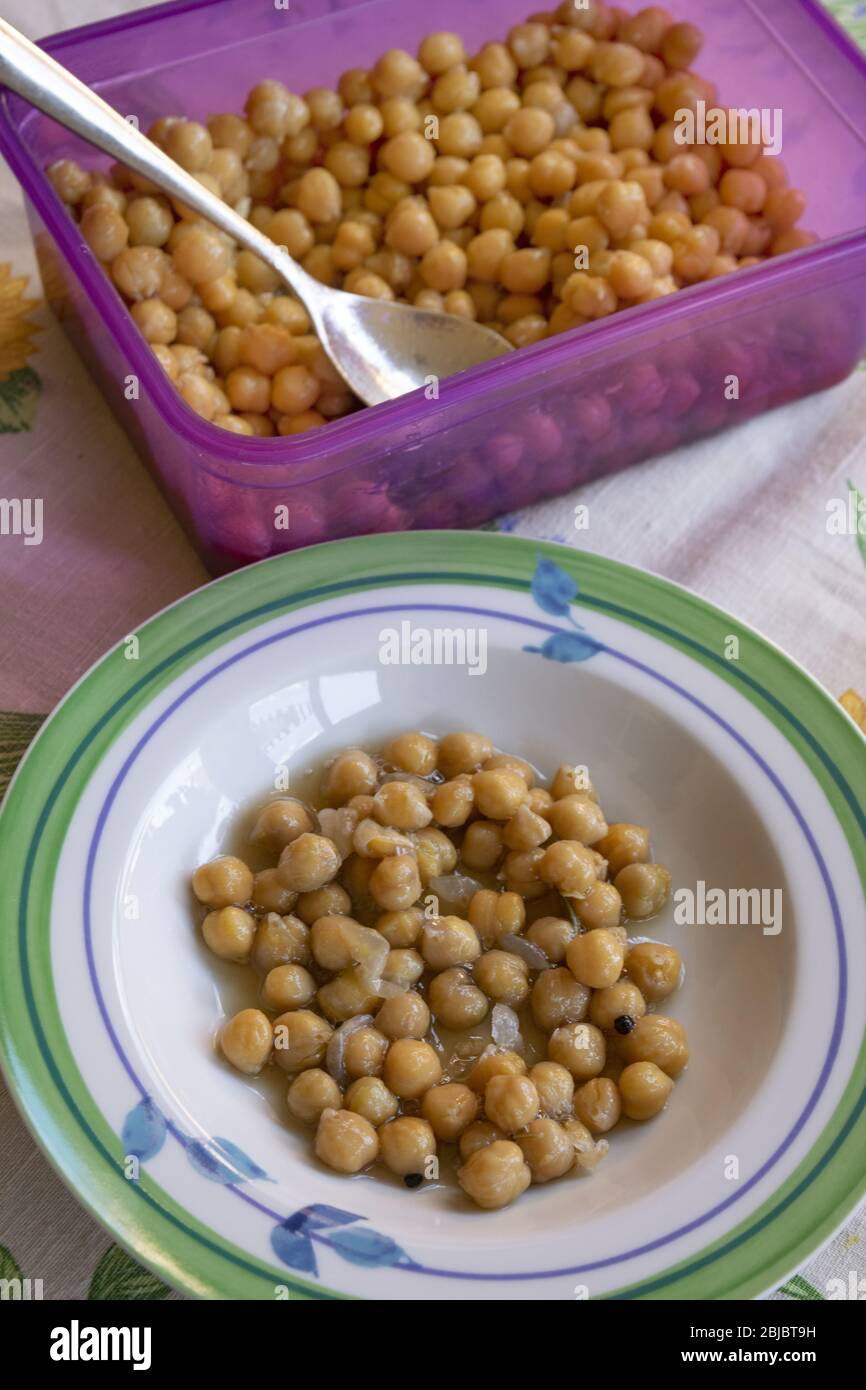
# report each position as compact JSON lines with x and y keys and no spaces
{"x":361,"y":1246}
{"x":222,"y":1161}
{"x":319,"y":1217}
{"x":294,"y":1248}
{"x":144,"y":1131}
{"x":552,"y":588}
{"x":566,"y":646}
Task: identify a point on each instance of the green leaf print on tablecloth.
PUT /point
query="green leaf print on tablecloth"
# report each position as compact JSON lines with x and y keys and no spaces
{"x":800,"y":1288}
{"x":851,"y":14}
{"x":118,"y":1276}
{"x":9,"y":1268}
{"x":19,"y":396}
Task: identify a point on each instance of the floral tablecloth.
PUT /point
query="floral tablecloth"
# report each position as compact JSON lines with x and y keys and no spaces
{"x":742,"y":519}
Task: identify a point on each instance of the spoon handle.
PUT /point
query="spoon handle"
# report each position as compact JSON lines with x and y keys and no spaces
{"x":53,"y":89}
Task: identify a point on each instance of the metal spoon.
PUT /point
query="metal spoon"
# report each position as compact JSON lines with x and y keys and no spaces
{"x":381,"y":349}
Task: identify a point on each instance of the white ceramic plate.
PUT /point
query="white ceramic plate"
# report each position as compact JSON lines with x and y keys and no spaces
{"x":749,"y":775}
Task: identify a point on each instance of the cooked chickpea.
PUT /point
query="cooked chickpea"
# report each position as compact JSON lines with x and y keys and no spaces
{"x":403,"y":1016}
{"x":370,"y":1098}
{"x":345,"y":1141}
{"x":569,"y":867}
{"x":414,"y":753}
{"x":229,"y":932}
{"x":200,"y":254}
{"x":224,"y":882}
{"x":364,"y":1052}
{"x":308,"y":862}
{"x":455,"y":1001}
{"x":547,"y":1149}
{"x":596,"y":958}
{"x":352,"y":773}
{"x":482,"y":845}
{"x":462,"y":752}
{"x":620,"y":1000}
{"x":624,"y":844}
{"x":644,"y":889}
{"x":495,"y":1063}
{"x":300,"y":1040}
{"x":503,"y":976}
{"x":288,"y":987}
{"x":525,"y":830}
{"x":449,"y":941}
{"x":402,"y":805}
{"x":411,"y":1068}
{"x":403,"y":967}
{"x":655,"y":969}
{"x":644,"y":1089}
{"x":580,"y":1048}
{"x":598,"y":1105}
{"x":406,"y":1145}
{"x":657,"y":1039}
{"x":493,"y":913}
{"x":401,"y":929}
{"x":279,"y":941}
{"x":453,"y":802}
{"x":499,"y":793}
{"x":576,"y":817}
{"x":449,"y":1109}
{"x":311,"y":1093}
{"x":246,"y":1040}
{"x":552,"y":936}
{"x":138,"y":271}
{"x":522,"y":872}
{"x":555,"y":1087}
{"x":495,"y":1175}
{"x":557,"y":998}
{"x":280,"y":822}
{"x":408,"y":156}
{"x":602,"y":909}
{"x":395,"y":883}
{"x":104,"y":230}
{"x":510,"y":1102}
{"x":349,"y":993}
{"x":323,"y":902}
{"x":477,"y":1136}
{"x":269,"y":895}
{"x":436,"y":854}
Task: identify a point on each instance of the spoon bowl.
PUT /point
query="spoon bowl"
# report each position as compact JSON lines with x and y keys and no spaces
{"x":383,"y":350}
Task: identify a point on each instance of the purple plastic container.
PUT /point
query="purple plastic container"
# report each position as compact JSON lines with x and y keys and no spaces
{"x":536,"y":423}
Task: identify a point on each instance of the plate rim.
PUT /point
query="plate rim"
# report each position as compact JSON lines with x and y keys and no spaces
{"x":451,"y":557}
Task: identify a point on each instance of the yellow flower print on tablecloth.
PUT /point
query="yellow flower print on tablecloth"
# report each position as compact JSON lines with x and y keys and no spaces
{"x":19,"y":383}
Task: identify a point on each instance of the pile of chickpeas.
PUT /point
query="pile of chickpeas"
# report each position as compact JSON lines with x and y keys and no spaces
{"x":536,"y":186}
{"x":520,"y":1028}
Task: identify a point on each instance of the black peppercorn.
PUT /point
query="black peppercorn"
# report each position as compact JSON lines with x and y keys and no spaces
{"x":413,"y":1179}
{"x":623,"y":1024}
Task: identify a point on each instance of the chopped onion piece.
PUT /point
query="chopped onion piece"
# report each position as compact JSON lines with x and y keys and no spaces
{"x":527,"y":950}
{"x":505,"y":1027}
{"x":336,"y":1050}
{"x":371,"y":952}
{"x":388,"y":989}
{"x":457,"y":889}
{"x":339,"y":826}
